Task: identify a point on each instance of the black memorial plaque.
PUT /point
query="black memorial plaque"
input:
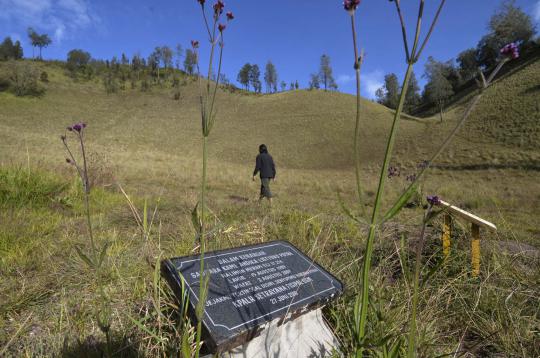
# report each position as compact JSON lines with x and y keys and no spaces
{"x":250,"y":286}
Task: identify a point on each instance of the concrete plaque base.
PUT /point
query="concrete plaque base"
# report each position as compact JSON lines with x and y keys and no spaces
{"x":303,"y":337}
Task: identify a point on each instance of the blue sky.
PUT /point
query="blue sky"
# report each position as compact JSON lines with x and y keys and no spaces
{"x":291,"y":33}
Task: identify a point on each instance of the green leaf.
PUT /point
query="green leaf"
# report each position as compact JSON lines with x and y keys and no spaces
{"x":145,"y":217}
{"x":195,"y":220}
{"x":156,"y":296}
{"x":432,"y":272}
{"x":185,"y":298}
{"x":346,"y":209}
{"x":84,"y":257}
{"x":203,"y":293}
{"x":212,"y":121}
{"x":103,"y":253}
{"x":186,"y":347}
{"x":403,"y":258}
{"x":399,"y":204}
{"x":395,"y":349}
{"x":357,"y":306}
{"x":142,"y":327}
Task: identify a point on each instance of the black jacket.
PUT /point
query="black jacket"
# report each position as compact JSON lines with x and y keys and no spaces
{"x":265,"y":165}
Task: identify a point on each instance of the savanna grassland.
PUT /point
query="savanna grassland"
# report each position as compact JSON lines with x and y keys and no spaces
{"x":148,"y":145}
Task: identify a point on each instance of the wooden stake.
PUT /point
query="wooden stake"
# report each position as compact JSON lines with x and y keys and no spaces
{"x":446,"y":235}
{"x":475,"y":249}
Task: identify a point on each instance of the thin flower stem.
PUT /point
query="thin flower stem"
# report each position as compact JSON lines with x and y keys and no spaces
{"x":448,"y":139}
{"x":412,"y":57}
{"x":496,"y":70}
{"x":201,"y":97}
{"x":202,"y":241}
{"x":85,"y":171}
{"x":213,"y":42}
{"x":206,"y":114}
{"x":87,"y":199}
{"x":207,"y":27}
{"x":79,"y":170}
{"x":218,"y":74}
{"x":431,"y":28}
{"x":374,"y":217}
{"x":357,"y":66}
{"x":411,"y":347}
{"x":403,"y":30}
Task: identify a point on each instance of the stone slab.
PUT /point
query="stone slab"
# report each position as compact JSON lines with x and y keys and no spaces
{"x":249,"y":287}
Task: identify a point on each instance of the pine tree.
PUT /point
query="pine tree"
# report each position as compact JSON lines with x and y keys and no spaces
{"x":314,"y":81}
{"x":244,"y":76}
{"x":254,"y":78}
{"x":388,"y":95}
{"x":190,"y":60}
{"x":325,"y":73}
{"x":270,"y":77}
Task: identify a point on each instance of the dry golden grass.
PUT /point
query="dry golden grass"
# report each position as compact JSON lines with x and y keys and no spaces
{"x":150,"y":144}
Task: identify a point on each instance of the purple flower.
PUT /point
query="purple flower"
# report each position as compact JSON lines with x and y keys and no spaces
{"x":394,"y":172}
{"x":230,"y":15}
{"x":194,"y":43}
{"x":77,"y":127}
{"x":511,"y":50}
{"x":218,"y":7}
{"x":221,"y":27}
{"x":351,"y":5}
{"x":423,"y":164}
{"x":433,"y":199}
{"x":411,"y":177}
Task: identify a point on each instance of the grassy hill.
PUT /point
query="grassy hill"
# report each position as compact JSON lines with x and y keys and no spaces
{"x":510,"y":113}
{"x":150,"y":143}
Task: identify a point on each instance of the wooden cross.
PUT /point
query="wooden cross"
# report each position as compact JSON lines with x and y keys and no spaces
{"x":476,"y":223}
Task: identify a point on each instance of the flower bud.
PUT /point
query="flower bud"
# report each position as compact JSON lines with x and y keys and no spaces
{"x":433,"y":199}
{"x":218,"y":7}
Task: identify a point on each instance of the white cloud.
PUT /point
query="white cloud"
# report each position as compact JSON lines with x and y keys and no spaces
{"x":344,"y":79}
{"x":536,"y":11}
{"x":61,"y":17}
{"x":371,"y":82}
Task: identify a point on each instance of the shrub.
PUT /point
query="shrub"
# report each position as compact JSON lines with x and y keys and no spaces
{"x":110,"y":83}
{"x":4,"y":82}
{"x":44,"y":77}
{"x":145,"y":86}
{"x":23,"y":79}
{"x":77,"y":60}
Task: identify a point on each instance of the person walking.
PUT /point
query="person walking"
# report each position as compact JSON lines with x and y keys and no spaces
{"x":264,"y":165}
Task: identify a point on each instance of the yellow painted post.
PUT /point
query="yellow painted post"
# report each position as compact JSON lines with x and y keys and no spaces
{"x":446,"y":235}
{"x":475,"y":249}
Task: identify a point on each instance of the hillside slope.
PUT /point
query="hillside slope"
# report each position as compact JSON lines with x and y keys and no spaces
{"x":303,"y":129}
{"x":509,"y":114}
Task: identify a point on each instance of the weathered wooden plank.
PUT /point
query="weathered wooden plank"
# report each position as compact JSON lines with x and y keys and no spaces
{"x":475,"y":250}
{"x":467,"y":216}
{"x":446,"y":235}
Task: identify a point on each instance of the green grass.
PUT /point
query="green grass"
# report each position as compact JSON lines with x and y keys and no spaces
{"x":149,"y":143}
{"x":509,"y":116}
